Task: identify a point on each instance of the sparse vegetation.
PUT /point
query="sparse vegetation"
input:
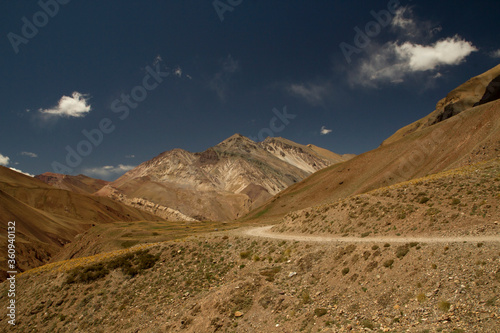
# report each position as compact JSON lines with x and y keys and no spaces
{"x":388,"y":263}
{"x":320,"y":312}
{"x":444,"y":306}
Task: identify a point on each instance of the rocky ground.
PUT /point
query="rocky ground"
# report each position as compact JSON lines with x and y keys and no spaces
{"x":421,"y":256}
{"x":458,"y":202}
{"x":233,"y":283}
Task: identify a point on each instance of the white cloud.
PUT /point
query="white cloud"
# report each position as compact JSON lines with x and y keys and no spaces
{"x":394,"y":61}
{"x":403,"y":19}
{"x":413,"y":50}
{"x":108,"y":171}
{"x":449,"y":51}
{"x":220,"y":82}
{"x":408,"y":27}
{"x":495,"y":54}
{"x":24,"y":173}
{"x":4,"y":160}
{"x":313,"y":93}
{"x":29,"y":154}
{"x":129,"y":156}
{"x":325,"y":131}
{"x":75,"y":106}
{"x":178,"y":72}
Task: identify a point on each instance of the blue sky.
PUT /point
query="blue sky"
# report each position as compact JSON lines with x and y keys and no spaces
{"x":97,"y":87}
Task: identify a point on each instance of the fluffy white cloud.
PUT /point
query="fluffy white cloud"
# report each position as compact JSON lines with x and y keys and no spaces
{"x":313,"y":93}
{"x":413,"y":49}
{"x":29,"y":154}
{"x":24,"y":173}
{"x":74,"y":106}
{"x":394,"y":61}
{"x":108,"y":171}
{"x":4,"y":160}
{"x":449,"y":51}
{"x":325,"y":131}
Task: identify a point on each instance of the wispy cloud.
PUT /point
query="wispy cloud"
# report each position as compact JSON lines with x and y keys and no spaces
{"x":408,"y":27}
{"x":74,"y":106}
{"x":324,"y":130}
{"x":220,"y":81}
{"x":130,"y":156}
{"x":4,"y":160}
{"x":24,"y":173}
{"x":413,"y":51}
{"x":108,"y":171}
{"x":495,"y":54}
{"x":311,"y":92}
{"x":29,"y":154}
{"x":394,"y":62}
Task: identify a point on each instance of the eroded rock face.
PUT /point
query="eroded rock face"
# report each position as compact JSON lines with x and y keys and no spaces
{"x":476,"y":91}
{"x":492,"y":92}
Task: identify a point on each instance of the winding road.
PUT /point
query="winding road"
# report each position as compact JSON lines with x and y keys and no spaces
{"x":266,"y":232}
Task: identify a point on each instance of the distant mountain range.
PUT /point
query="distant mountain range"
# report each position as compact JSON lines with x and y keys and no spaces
{"x":223,"y":182}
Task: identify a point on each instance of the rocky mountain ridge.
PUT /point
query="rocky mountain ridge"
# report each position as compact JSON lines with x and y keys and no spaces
{"x":224,"y":181}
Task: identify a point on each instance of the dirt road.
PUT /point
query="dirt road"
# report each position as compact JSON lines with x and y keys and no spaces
{"x":267,"y":233}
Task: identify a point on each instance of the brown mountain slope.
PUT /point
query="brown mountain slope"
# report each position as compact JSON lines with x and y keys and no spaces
{"x":47,"y":218}
{"x":39,"y":235}
{"x":89,"y":208}
{"x":458,"y":202}
{"x":77,"y":184}
{"x":223,"y":182}
{"x":470,"y":136}
{"x":478,"y":90}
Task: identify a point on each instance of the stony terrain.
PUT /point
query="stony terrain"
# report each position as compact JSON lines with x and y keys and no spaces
{"x":463,"y":201}
{"x":392,"y":278}
{"x":233,"y":283}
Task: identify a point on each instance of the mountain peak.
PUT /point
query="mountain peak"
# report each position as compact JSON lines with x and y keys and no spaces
{"x":237,"y":136}
{"x":236,"y":140}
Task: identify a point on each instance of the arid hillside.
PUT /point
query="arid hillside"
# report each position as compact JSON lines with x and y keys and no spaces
{"x":77,"y":184}
{"x":467,"y":137}
{"x":459,"y":202}
{"x":232,"y":282}
{"x":48,"y":218}
{"x":479,"y":90}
